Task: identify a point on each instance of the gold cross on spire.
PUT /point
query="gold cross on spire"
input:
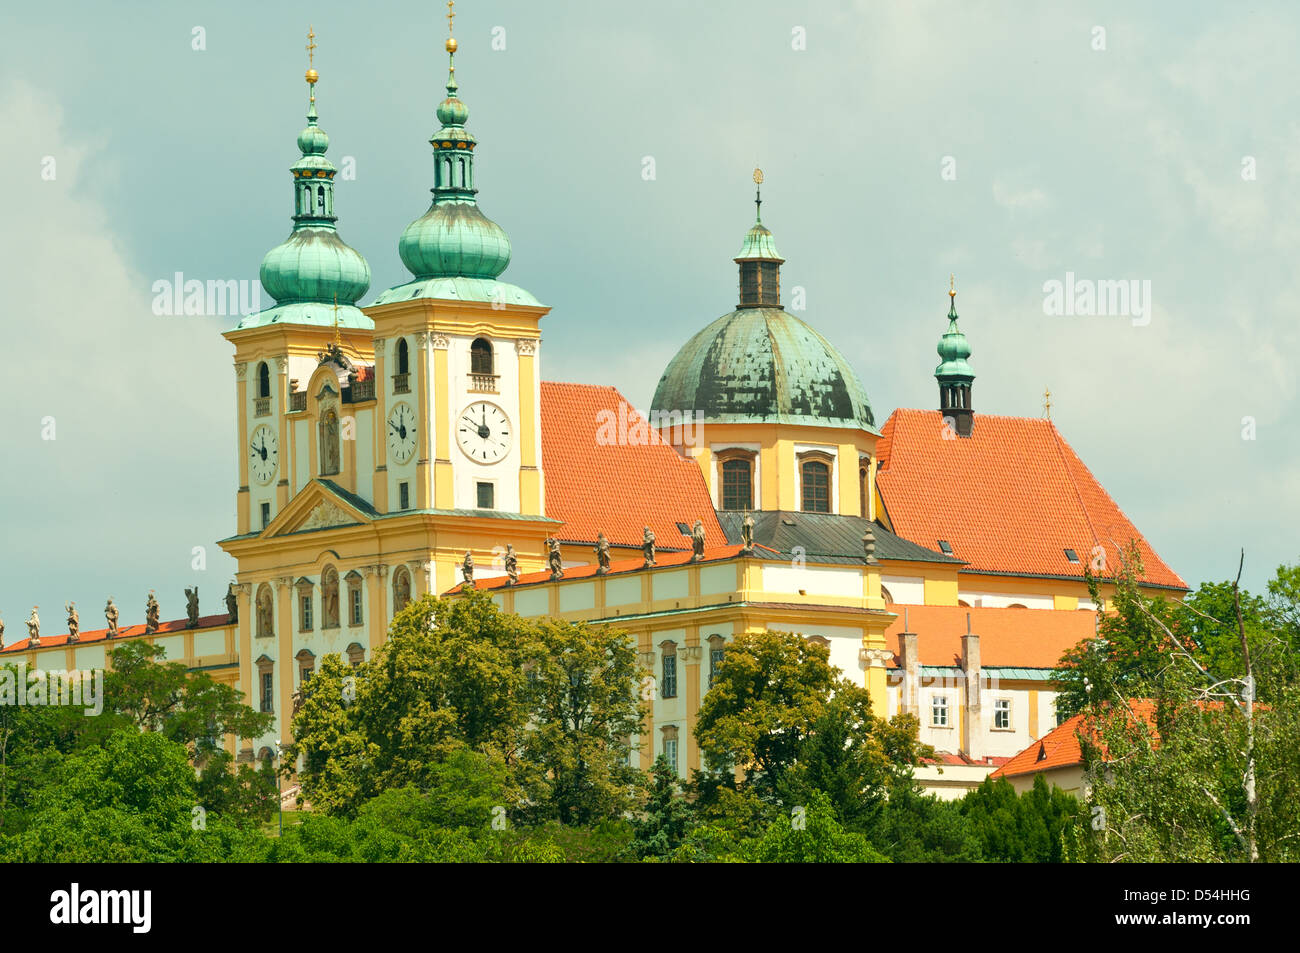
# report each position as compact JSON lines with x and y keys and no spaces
{"x":312,"y":75}
{"x":952,"y":285}
{"x":451,"y":15}
{"x":1047,"y":402}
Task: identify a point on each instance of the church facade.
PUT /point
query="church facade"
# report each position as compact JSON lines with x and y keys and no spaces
{"x":411,"y":446}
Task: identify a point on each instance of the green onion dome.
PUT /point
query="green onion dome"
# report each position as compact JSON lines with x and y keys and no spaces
{"x":454,"y":238}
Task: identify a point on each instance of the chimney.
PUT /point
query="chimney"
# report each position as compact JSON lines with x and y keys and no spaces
{"x":972,"y":726}
{"x":909,"y":695}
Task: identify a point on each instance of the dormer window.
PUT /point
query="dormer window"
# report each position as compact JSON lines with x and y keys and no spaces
{"x":1071,"y":555}
{"x":945,"y":547}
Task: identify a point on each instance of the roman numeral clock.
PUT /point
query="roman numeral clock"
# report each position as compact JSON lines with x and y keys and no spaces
{"x":484,"y":432}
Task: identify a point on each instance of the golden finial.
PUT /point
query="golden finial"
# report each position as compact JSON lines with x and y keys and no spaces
{"x":338,"y":338}
{"x":451,"y":15}
{"x":952,"y":285}
{"x":1047,"y":402}
{"x":758,"y":176}
{"x":312,"y":75}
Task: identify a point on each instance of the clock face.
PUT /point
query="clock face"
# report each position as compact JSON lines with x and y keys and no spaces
{"x":484,"y":432}
{"x":264,"y":452}
{"x":401,"y":432}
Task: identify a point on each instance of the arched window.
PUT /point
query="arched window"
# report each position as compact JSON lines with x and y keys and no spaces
{"x":737,"y":484}
{"x":329,"y":443}
{"x":401,"y":589}
{"x":403,"y":357}
{"x":446,"y":173}
{"x":886,"y":595}
{"x":480,"y":357}
{"x":263,"y":380}
{"x":864,"y":488}
{"x":320,"y":199}
{"x":462,"y":172}
{"x":329,"y":598}
{"x":265,"y":613}
{"x":815,"y":482}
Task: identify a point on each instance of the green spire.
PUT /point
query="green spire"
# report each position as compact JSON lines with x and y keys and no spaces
{"x":954,"y":375}
{"x":454,"y":238}
{"x":953,"y":350}
{"x":314,"y":265}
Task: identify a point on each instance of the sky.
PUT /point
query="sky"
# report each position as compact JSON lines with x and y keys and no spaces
{"x":1011,"y":144}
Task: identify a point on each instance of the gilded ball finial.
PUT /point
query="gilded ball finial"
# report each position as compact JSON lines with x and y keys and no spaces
{"x":758,"y":176}
{"x":451,"y":44}
{"x":312,"y":76}
{"x":952,"y":286}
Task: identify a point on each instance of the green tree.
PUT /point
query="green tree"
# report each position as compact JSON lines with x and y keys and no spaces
{"x":795,"y":726}
{"x":666,"y":818}
{"x":553,"y":703}
{"x":1038,"y":826}
{"x":1193,"y":757}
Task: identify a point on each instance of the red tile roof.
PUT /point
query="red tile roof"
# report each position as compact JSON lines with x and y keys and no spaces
{"x":1011,"y":498}
{"x":218,"y":621}
{"x":1060,"y":747}
{"x":617,"y":486}
{"x":1010,"y":638}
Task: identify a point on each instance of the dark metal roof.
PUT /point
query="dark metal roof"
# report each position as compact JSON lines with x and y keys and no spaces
{"x":825,"y":536}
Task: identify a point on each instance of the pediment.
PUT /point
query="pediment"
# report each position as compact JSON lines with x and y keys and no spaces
{"x":316,"y":508}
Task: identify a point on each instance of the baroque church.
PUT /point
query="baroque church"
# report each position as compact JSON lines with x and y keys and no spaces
{"x":411,"y":446}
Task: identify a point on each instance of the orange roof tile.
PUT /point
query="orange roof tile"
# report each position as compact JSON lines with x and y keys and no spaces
{"x":1012,"y":638}
{"x":220,"y":620}
{"x":1060,"y":747}
{"x":1011,"y":498}
{"x":622,"y":485}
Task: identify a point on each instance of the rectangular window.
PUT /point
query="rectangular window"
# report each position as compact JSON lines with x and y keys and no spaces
{"x":1002,"y":713}
{"x":486,"y":494}
{"x":668,"y":685}
{"x":737,"y":485}
{"x":266,"y":515}
{"x":356,"y":607}
{"x":815,"y":477}
{"x":939,"y":711}
{"x":268,"y":694}
{"x":670,"y":752}
{"x":715,"y":659}
{"x":404,"y":495}
{"x":306,"y":613}
{"x":306,"y":675}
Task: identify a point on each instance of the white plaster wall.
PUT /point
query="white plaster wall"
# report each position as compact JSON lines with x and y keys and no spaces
{"x":813,"y":580}
{"x":905,"y":590}
{"x":1000,"y":600}
{"x":467,"y":473}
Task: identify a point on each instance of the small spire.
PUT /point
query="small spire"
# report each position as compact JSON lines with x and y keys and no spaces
{"x":1047,"y":402}
{"x":451,"y":48}
{"x":952,"y":296}
{"x":312,"y":75}
{"x":758,"y":195}
{"x":338,"y":337}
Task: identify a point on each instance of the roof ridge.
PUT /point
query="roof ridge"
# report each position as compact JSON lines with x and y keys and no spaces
{"x":1057,"y":440}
